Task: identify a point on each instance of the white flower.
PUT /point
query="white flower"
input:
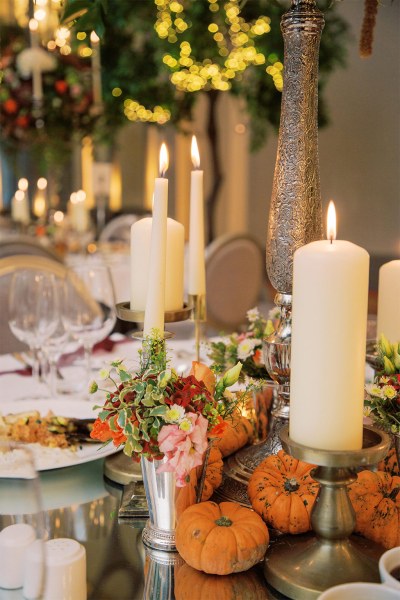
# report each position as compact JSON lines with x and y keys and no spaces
{"x":104,"y":374}
{"x":373,"y":390}
{"x":367,"y":411}
{"x":253,"y":314}
{"x":186,"y":425}
{"x":174,"y":414}
{"x":389,"y":391}
{"x":246,"y":348}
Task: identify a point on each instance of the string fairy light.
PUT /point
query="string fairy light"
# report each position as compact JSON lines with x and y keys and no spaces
{"x":235,"y":40}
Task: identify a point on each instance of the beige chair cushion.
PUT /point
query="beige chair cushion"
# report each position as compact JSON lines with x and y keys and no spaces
{"x":234,"y":278}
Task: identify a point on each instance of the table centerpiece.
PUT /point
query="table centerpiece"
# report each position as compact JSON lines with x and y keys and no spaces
{"x":165,"y":420}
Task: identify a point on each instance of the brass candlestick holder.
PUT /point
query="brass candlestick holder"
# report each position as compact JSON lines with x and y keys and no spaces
{"x":303,"y":566}
{"x":199,"y":316}
{"x":125,"y":313}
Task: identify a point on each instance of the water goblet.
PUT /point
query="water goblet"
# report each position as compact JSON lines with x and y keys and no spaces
{"x":89,"y":307}
{"x":33,"y":310}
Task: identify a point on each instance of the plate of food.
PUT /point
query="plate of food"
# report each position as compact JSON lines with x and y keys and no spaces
{"x":56,"y":431}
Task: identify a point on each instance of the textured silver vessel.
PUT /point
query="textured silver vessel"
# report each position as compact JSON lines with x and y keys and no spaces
{"x":295,"y":211}
{"x":294,"y":219}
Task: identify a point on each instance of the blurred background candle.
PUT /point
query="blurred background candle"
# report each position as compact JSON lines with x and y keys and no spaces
{"x":197,"y":272}
{"x":330,"y":297}
{"x":37,"y":87}
{"x":96,"y":69}
{"x":155,"y":301}
{"x":20,"y":208}
{"x":78,"y":212}
{"x":388,"y":320}
{"x":39,"y":200}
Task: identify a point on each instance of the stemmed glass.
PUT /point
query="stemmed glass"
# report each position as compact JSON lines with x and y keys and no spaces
{"x":89,"y":307}
{"x":33,"y":310}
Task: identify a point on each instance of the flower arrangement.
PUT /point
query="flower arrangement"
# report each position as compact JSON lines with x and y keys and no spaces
{"x":382,"y":402}
{"x":157,"y":413}
{"x":245,"y":347}
{"x":67,"y":98}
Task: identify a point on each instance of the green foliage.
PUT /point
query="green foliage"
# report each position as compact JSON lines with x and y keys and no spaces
{"x":132,"y":57}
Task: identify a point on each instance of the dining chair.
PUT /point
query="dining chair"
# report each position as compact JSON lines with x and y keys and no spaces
{"x":119,"y":228}
{"x":11,"y":245}
{"x":9,"y":266}
{"x":234,"y":280}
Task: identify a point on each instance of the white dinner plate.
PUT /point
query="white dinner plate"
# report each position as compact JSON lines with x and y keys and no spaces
{"x":58,"y":458}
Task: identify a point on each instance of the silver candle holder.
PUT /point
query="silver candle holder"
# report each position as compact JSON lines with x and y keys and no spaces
{"x":303,"y":566}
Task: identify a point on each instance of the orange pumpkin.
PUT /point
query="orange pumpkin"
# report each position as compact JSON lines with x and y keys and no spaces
{"x":389,"y":463}
{"x":238,"y":433}
{"x":191,"y":584}
{"x":214,"y":470}
{"x":221,"y":538}
{"x":283,"y":492}
{"x":376,"y":501}
{"x":187,"y":495}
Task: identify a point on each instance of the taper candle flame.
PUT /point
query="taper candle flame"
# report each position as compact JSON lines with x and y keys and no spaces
{"x":163,"y":159}
{"x":195,"y":153}
{"x":94,"y":38}
{"x":331,"y":222}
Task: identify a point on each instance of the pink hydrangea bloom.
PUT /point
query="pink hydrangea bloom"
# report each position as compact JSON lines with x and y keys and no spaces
{"x":183,"y":449}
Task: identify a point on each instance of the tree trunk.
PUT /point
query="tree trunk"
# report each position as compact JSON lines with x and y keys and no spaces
{"x":212,"y":132}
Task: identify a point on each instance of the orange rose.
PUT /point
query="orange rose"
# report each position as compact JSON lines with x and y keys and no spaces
{"x":118,"y":436}
{"x":218,"y":429}
{"x":204,"y":374}
{"x":101,"y":431}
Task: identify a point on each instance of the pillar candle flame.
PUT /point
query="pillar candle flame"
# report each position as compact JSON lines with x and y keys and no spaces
{"x":331,"y":222}
{"x":164,"y":161}
{"x":195,"y":153}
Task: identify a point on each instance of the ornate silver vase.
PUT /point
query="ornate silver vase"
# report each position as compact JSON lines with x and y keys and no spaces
{"x":160,"y":489}
{"x":294,"y":218}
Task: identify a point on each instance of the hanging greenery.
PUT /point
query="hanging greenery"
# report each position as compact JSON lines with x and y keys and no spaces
{"x":157,"y":56}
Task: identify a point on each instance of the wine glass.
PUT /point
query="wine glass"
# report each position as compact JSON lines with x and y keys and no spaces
{"x":89,"y":306}
{"x":22,"y":529}
{"x":33,"y":310}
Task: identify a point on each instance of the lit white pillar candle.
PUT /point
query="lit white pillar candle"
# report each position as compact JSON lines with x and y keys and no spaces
{"x":96,"y":69}
{"x":330,"y":297}
{"x":40,"y":200}
{"x":78,"y":212}
{"x":140,"y":261}
{"x":37,"y":86}
{"x":197,"y":271}
{"x":155,"y":301}
{"x":389,"y":301}
{"x":20,"y":208}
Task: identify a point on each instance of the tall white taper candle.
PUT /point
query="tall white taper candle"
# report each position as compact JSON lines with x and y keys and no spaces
{"x":154,"y":313}
{"x":197,"y":272}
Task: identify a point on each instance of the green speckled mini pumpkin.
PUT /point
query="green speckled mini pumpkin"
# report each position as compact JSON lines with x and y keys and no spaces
{"x":283,"y":492}
{"x":376,"y":501}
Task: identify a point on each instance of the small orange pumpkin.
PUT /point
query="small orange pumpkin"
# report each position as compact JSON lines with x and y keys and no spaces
{"x":238,"y":433}
{"x":213,"y":479}
{"x":389,"y":463}
{"x":375,"y":497}
{"x":283,"y":492}
{"x":187,"y":495}
{"x":191,"y":584}
{"x":221,"y":538}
